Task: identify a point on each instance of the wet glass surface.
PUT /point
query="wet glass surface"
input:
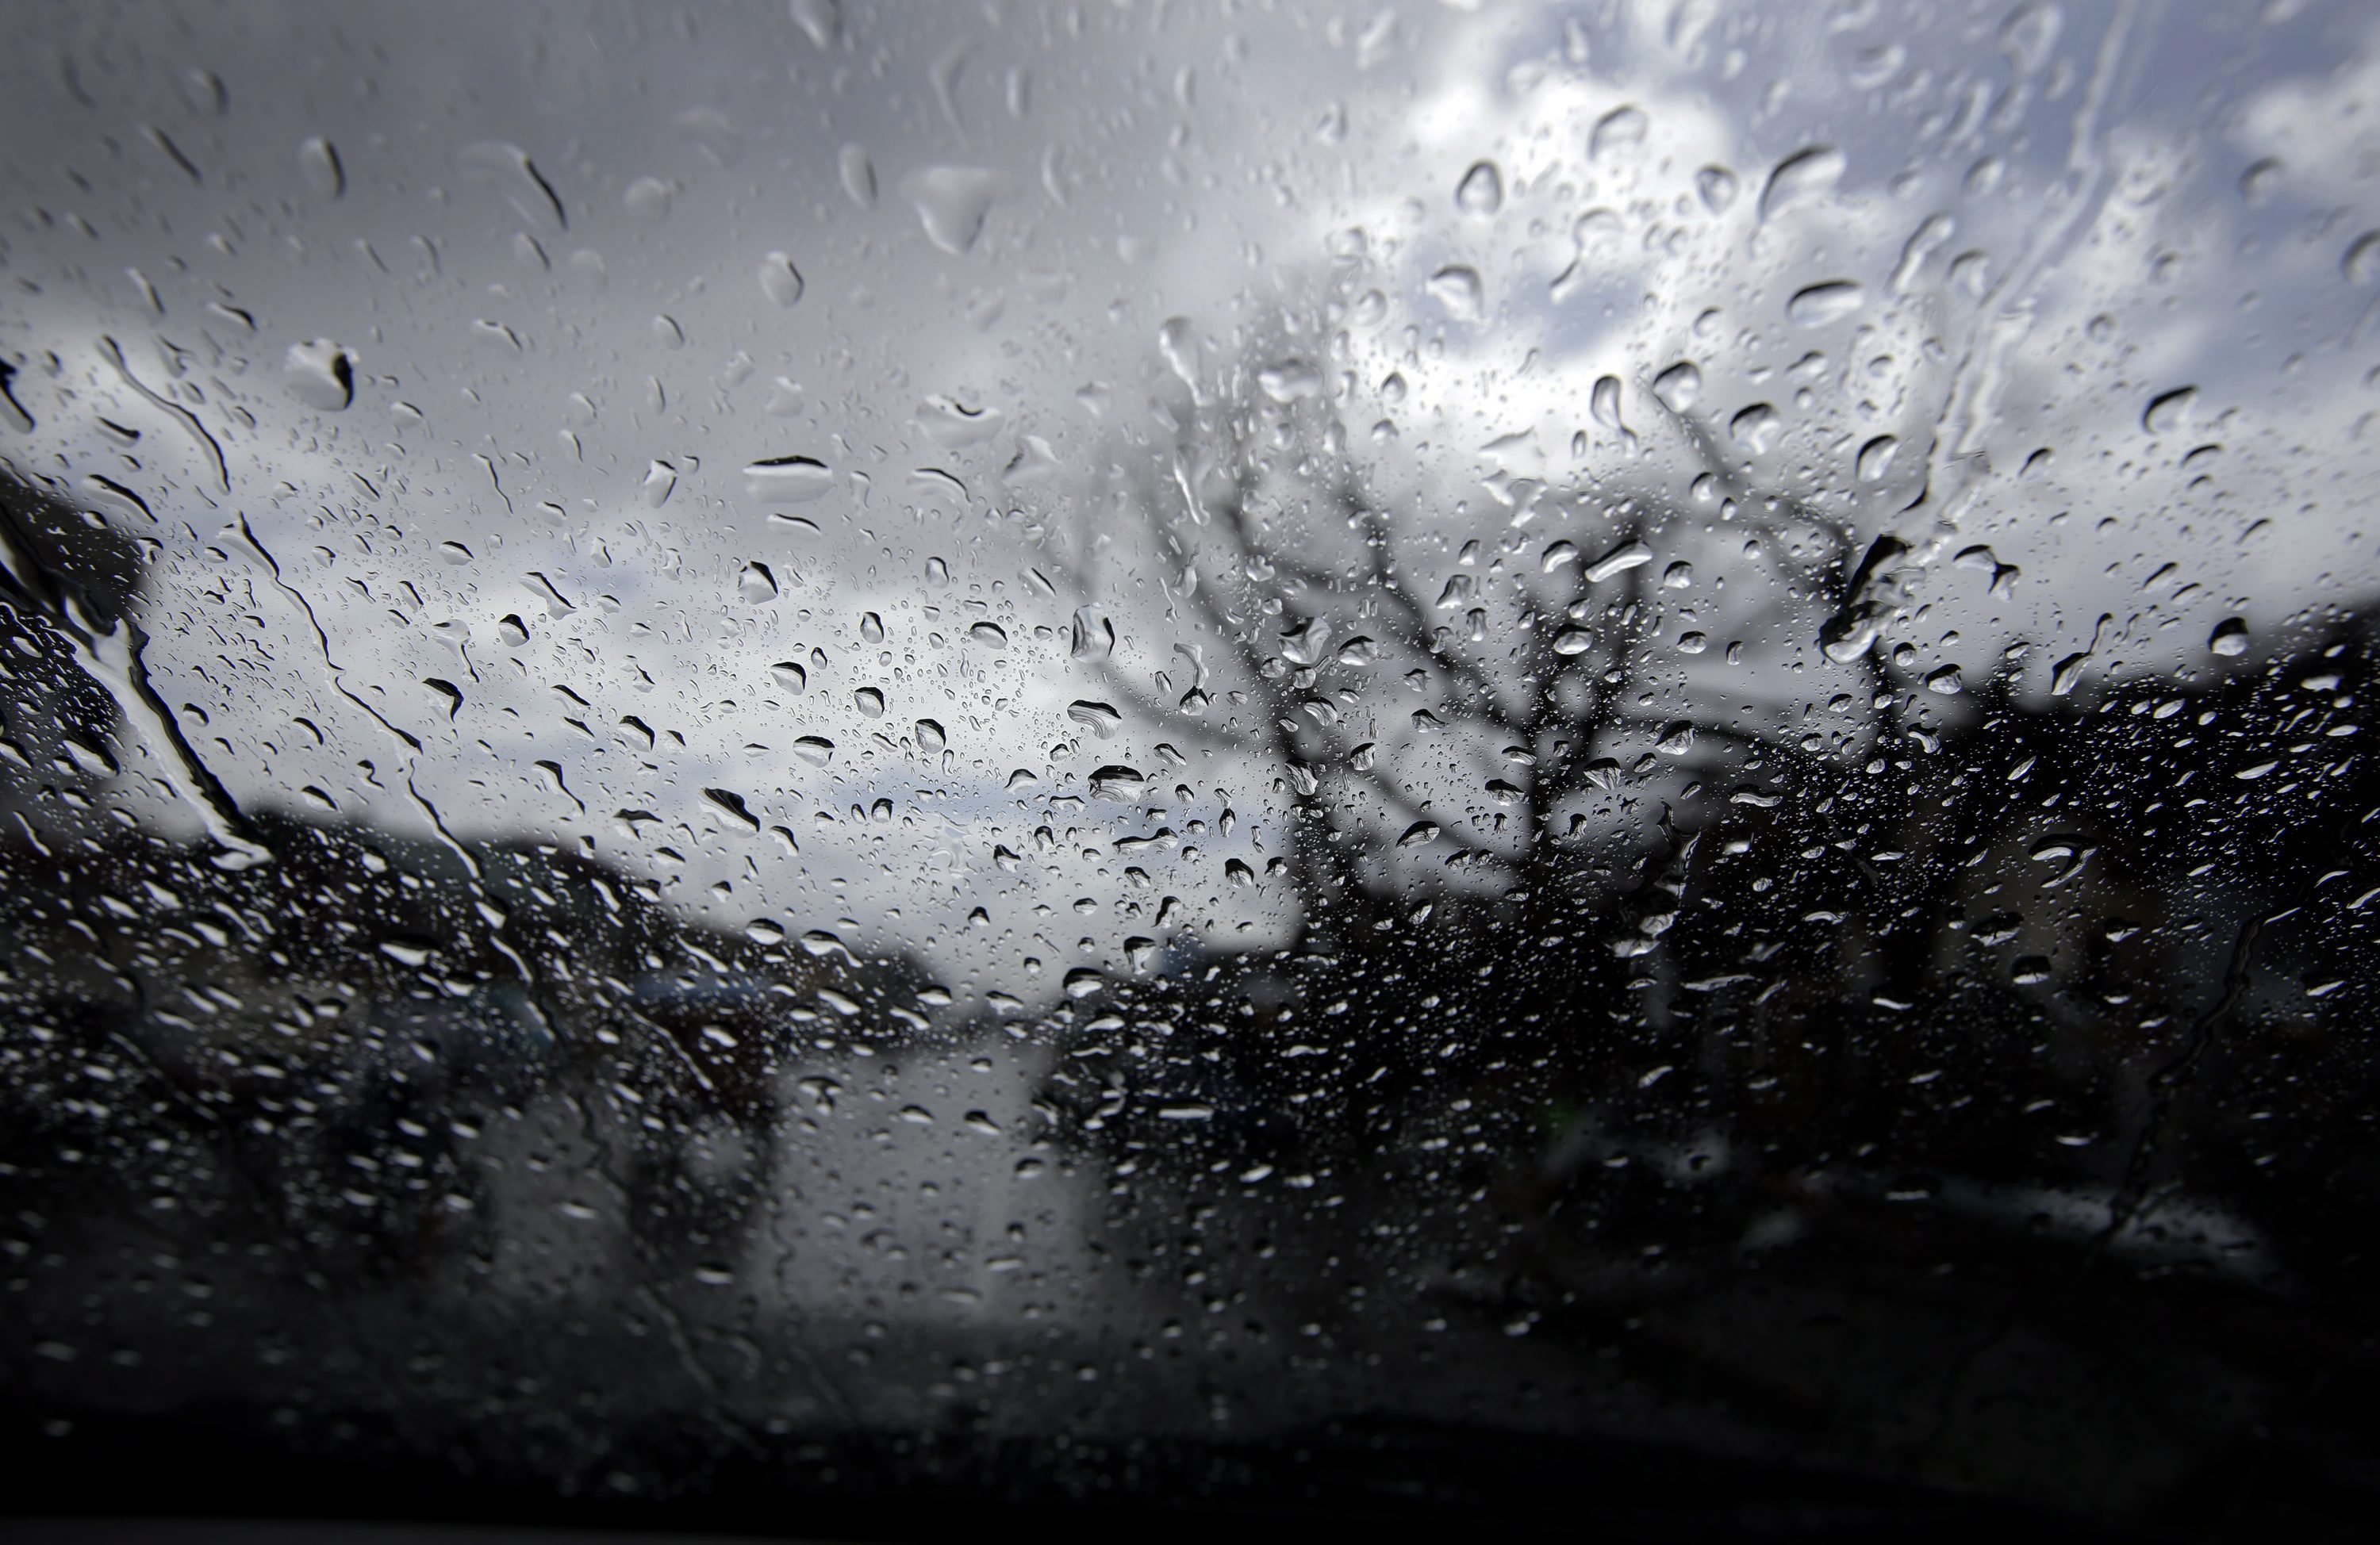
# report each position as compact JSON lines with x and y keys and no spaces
{"x":1086,"y":753}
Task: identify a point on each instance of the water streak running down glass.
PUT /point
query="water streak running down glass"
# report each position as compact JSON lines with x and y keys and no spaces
{"x":1567,"y":764}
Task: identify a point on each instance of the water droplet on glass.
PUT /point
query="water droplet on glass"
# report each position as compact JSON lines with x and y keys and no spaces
{"x":1603,"y":402}
{"x":780,"y":281}
{"x":858,"y":175}
{"x":756,"y":583}
{"x":1116,"y":781}
{"x":951,"y":203}
{"x":660,"y":482}
{"x":1481,"y":191}
{"x":930,"y":737}
{"x":1946,"y":680}
{"x":1630,"y":554}
{"x":512,"y":630}
{"x":2168,"y":411}
{"x":1620,"y":129}
{"x":869,"y":701}
{"x":1419,"y":833}
{"x":1717,"y":188}
{"x":821,"y":21}
{"x":992,"y":635}
{"x":1801,"y":176}
{"x":1819,"y":304}
{"x":455,"y":553}
{"x":787,"y":479}
{"x":1457,"y":289}
{"x":1292,"y":381}
{"x":1679,"y":387}
{"x":1677,"y":739}
{"x":790,"y":675}
{"x":1179,"y":343}
{"x":1756,"y":428}
{"x":1574,"y":640}
{"x":647,"y":199}
{"x":2231,"y":637}
{"x":2361,"y":263}
{"x":509,"y":168}
{"x":817,"y":750}
{"x":318,"y":160}
{"x":321,"y":374}
{"x":1876,"y":458}
{"x":1101,"y":718}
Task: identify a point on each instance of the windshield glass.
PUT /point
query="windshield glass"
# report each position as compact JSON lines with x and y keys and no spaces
{"x":1059,"y":754}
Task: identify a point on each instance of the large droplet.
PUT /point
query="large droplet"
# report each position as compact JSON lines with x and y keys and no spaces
{"x":1801,"y":176}
{"x":1457,"y":288}
{"x":1680,"y":386}
{"x":787,"y":479}
{"x":1481,"y":191}
{"x":951,"y":203}
{"x":1620,"y":129}
{"x":2231,"y":637}
{"x":756,"y":585}
{"x":780,"y":281}
{"x":1819,"y":304}
{"x":318,"y":161}
{"x":321,"y":374}
{"x":1756,"y":428}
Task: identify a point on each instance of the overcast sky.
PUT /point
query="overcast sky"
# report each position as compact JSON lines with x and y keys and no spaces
{"x":587,"y":266}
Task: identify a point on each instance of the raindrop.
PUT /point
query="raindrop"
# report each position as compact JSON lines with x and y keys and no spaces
{"x":321,"y":373}
{"x":869,"y":701}
{"x":512,"y":630}
{"x":660,"y":482}
{"x":647,"y":199}
{"x":1679,"y":387}
{"x":1481,"y":190}
{"x":455,"y":553}
{"x":1457,"y":289}
{"x":1946,"y":680}
{"x":756,"y":585}
{"x":992,"y":635}
{"x":1092,"y":636}
{"x":790,"y":675}
{"x":1116,"y":781}
{"x":1179,"y":344}
{"x":821,"y":21}
{"x":318,"y":161}
{"x":859,"y":175}
{"x":1630,"y":554}
{"x":2361,"y":264}
{"x":1574,"y":640}
{"x":1100,"y":718}
{"x":1677,"y":739}
{"x":2231,"y":637}
{"x":762,"y":930}
{"x":1820,"y":304}
{"x":1801,"y":176}
{"x":2168,"y":411}
{"x":951,"y":203}
{"x":1622,"y":129}
{"x":1556,"y":554}
{"x":780,"y":281}
{"x":930,"y":737}
{"x":817,"y":750}
{"x":1876,"y":458}
{"x":1757,"y":427}
{"x":871,"y":627}
{"x":787,"y":479}
{"x":1603,"y":402}
{"x":509,"y":167}
{"x":1718,"y":186}
{"x":1419,"y":833}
